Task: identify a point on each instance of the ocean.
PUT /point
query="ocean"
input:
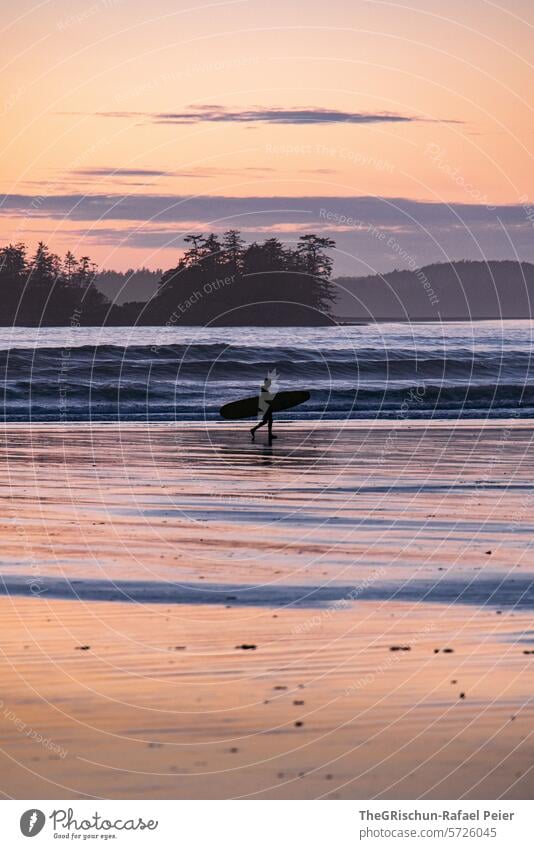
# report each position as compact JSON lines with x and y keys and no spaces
{"x":391,"y":371}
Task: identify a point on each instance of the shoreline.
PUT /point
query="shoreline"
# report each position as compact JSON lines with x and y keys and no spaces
{"x":300,"y":424}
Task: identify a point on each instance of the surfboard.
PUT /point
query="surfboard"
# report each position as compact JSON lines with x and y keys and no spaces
{"x":247,"y":408}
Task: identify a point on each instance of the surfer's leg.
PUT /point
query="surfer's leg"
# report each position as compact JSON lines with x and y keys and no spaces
{"x":270,"y":427}
{"x":256,"y":427}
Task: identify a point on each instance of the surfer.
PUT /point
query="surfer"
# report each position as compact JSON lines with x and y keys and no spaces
{"x":265,"y":407}
{"x":262,"y":406}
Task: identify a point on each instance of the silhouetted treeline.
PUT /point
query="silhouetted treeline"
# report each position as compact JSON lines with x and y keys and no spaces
{"x":45,"y":290}
{"x":225,"y":282}
{"x":219,"y":281}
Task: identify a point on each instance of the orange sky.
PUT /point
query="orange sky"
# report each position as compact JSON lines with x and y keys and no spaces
{"x":455,"y":76}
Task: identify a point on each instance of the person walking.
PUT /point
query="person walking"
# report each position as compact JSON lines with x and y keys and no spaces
{"x":265,"y":406}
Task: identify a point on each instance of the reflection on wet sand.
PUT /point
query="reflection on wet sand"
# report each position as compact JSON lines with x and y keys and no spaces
{"x":345,"y":614}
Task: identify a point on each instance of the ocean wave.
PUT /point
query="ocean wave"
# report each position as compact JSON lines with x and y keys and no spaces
{"x":412,"y":376}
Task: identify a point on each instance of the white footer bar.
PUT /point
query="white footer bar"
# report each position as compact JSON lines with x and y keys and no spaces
{"x":268,"y":824}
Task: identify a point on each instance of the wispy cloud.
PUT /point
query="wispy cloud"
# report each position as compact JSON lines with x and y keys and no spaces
{"x":108,"y":172}
{"x":217,"y":114}
{"x":210,"y":209}
{"x":370,"y":232}
{"x":119,"y":172}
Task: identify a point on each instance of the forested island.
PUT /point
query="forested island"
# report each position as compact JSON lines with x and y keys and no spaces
{"x":221,"y":281}
{"x":217,"y":281}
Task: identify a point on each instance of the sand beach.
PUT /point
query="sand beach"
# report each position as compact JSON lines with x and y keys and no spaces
{"x":345,"y":614}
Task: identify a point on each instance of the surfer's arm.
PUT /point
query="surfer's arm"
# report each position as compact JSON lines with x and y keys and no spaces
{"x":265,"y":402}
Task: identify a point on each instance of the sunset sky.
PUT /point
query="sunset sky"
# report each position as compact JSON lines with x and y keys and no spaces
{"x":127,"y":124}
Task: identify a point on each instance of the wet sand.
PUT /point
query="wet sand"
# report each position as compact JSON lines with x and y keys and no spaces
{"x":188,"y":615}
